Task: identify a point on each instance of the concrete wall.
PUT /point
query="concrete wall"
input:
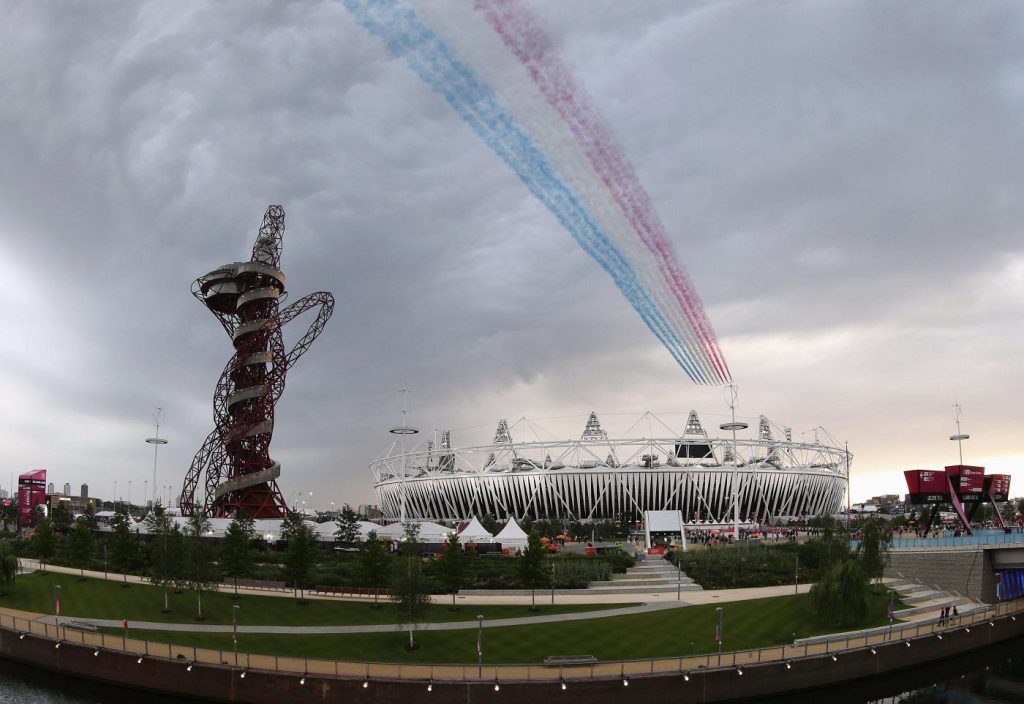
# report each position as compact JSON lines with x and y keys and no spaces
{"x":968,"y":572}
{"x":224,"y":684}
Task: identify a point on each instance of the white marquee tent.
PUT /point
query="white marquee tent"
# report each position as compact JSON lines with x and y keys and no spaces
{"x":474,"y":533}
{"x":511,"y":536}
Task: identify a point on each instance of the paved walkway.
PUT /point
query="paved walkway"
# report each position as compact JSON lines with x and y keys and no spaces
{"x":651,"y":602}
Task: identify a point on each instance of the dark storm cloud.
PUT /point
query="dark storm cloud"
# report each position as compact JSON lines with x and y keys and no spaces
{"x":839,"y":178}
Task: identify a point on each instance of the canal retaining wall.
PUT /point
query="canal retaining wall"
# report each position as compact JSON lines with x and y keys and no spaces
{"x":965,"y":571}
{"x":214,"y":676}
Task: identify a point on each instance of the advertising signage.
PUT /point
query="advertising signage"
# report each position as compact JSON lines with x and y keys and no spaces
{"x":972,"y":480}
{"x":31,"y":493}
{"x":926,"y":486}
{"x":998,"y":486}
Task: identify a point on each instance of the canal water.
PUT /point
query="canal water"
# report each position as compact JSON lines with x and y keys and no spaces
{"x":986,"y":676}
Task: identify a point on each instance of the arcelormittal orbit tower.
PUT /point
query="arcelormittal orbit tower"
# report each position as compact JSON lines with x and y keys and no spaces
{"x":246,"y":298}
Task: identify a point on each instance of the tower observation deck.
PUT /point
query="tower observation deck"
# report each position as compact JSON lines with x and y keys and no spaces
{"x":234,"y":460}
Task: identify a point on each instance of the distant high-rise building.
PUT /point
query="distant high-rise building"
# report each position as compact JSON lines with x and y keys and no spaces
{"x":67,"y":488}
{"x":49,"y":488}
{"x":85,"y":491}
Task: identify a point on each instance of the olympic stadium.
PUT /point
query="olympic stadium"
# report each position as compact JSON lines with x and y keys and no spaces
{"x":650,"y":466}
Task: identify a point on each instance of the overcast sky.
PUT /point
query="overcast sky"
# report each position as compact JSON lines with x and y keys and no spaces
{"x":841,"y":179}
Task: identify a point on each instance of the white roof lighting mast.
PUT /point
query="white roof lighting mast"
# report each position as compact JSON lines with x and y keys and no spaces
{"x":156,"y":441}
{"x":731,"y":396}
{"x":401,"y":431}
{"x":959,"y":437}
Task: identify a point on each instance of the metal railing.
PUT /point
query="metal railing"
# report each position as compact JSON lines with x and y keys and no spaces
{"x":964,"y":542}
{"x":836,"y":646}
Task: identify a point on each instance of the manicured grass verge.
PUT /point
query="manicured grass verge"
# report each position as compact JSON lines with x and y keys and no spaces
{"x":97,"y":598}
{"x":684,"y":631}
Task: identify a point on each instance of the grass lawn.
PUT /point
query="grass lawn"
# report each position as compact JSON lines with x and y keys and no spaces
{"x":685,"y":631}
{"x":97,"y":598}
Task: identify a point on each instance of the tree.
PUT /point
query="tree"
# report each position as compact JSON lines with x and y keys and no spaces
{"x":60,"y":514}
{"x":81,"y":545}
{"x":44,"y":542}
{"x":873,"y":549}
{"x":199,"y":574}
{"x":373,"y":565}
{"x":408,"y":586}
{"x":8,"y":567}
{"x":236,"y":553}
{"x":90,"y":517}
{"x":348,"y":525}
{"x":489,"y":523}
{"x":840,"y":597}
{"x":453,"y":567}
{"x":124,"y":543}
{"x":12,"y":515}
{"x":165,"y":551}
{"x":410,"y":543}
{"x":832,"y":545}
{"x":531,"y":567}
{"x":299,"y":553}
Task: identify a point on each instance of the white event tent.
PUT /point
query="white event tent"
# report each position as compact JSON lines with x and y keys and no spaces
{"x":511,"y":536}
{"x":474,"y":533}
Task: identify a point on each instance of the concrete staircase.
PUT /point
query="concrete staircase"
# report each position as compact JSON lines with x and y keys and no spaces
{"x":653,"y":576}
{"x":925,"y":602}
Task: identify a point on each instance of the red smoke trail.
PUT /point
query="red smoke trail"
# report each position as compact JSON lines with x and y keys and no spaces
{"x":523,"y":36}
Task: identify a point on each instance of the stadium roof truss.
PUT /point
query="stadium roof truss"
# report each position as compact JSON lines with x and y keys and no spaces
{"x":596,"y":476}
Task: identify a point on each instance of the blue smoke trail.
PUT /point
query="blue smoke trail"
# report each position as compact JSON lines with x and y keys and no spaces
{"x":476,"y":103}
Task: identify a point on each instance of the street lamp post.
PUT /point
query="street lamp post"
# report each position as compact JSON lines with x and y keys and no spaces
{"x":480,"y":646}
{"x":56,"y":607}
{"x":718,"y":632}
{"x":234,"y":630}
{"x":156,"y":441}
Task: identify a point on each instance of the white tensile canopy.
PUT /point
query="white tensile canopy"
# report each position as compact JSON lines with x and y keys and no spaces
{"x":474,"y":533}
{"x":511,"y":536}
{"x":434,"y":532}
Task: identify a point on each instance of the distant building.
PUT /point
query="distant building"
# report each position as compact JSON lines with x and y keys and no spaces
{"x":370,"y":512}
{"x":67,"y":488}
{"x":49,"y":488}
{"x":85,"y":491}
{"x":77,"y":504}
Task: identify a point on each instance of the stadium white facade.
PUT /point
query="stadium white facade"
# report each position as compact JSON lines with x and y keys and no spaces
{"x":598,"y":477}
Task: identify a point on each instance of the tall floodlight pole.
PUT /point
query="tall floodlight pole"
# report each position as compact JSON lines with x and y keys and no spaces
{"x":403,"y":430}
{"x":959,"y":437}
{"x":847,"y":445}
{"x":731,"y":396}
{"x":156,"y":441}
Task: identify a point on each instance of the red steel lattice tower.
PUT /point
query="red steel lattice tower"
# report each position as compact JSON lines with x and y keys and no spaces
{"x":235,"y":457}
